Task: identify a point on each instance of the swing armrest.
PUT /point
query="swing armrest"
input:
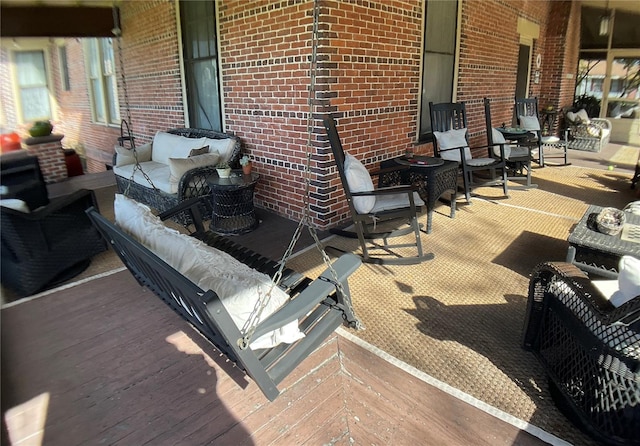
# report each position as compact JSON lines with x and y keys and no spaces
{"x":311,"y":296}
{"x":192,"y":206}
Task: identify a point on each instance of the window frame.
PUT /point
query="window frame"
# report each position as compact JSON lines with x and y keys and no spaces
{"x":99,"y":73}
{"x":17,"y":89}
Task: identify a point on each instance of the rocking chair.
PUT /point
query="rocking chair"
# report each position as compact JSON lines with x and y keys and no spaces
{"x":518,"y":157}
{"x":450,"y":142}
{"x":526,"y":114}
{"x":369,"y":207}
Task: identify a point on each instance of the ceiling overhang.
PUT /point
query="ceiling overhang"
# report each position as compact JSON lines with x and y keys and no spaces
{"x":56,"y":21}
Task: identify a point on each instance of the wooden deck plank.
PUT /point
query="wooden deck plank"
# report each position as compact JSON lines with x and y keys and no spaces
{"x":121,"y":368}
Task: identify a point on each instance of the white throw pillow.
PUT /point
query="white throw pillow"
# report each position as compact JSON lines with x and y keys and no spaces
{"x":572,"y":118}
{"x":583,"y":116}
{"x":179,"y":166}
{"x":359,"y":180}
{"x":498,"y":138}
{"x":168,"y":145}
{"x":628,"y":281}
{"x":452,"y":139}
{"x":126,"y":156}
{"x":224,"y":147}
{"x":530,"y":123}
{"x":237,"y":285}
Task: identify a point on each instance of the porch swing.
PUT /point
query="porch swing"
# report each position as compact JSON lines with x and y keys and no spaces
{"x":319,"y":305}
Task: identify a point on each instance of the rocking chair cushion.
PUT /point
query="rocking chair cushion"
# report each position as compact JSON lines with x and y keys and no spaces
{"x":237,"y":285}
{"x":452,"y":139}
{"x":395,"y":201}
{"x":530,"y":123}
{"x":498,"y":138}
{"x":359,"y":180}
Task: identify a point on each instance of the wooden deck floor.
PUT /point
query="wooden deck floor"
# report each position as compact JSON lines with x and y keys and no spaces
{"x":108,"y":363}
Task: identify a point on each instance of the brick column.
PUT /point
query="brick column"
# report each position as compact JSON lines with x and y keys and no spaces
{"x":50,"y":155}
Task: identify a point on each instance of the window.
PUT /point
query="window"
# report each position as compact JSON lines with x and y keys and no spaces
{"x":64,"y":68}
{"x":438,"y":63}
{"x":103,"y":89}
{"x":200,"y":54}
{"x":33,"y":88}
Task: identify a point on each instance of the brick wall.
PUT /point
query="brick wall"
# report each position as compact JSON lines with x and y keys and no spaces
{"x":368,"y":76}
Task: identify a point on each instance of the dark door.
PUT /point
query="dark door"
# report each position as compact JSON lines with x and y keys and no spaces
{"x":200,"y":53}
{"x":523,"y":71}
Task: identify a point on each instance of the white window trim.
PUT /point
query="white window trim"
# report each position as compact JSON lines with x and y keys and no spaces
{"x":21,"y":45}
{"x":111,"y":121}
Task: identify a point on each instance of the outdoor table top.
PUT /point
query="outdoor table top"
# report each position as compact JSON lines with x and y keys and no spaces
{"x":586,"y":234}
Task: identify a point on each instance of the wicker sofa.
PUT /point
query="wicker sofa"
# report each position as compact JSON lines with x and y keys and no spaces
{"x":160,"y":165}
{"x":590,"y":350}
{"x":589,"y":134}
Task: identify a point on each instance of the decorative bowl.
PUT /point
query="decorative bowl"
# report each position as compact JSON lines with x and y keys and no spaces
{"x":610,"y":221}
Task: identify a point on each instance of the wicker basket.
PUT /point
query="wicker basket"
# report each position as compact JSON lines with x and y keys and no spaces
{"x":610,"y":221}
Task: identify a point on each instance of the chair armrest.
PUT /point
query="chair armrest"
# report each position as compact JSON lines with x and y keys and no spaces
{"x":409,"y":188}
{"x":56,"y":205}
{"x":192,"y":206}
{"x":580,"y":284}
{"x":311,"y":296}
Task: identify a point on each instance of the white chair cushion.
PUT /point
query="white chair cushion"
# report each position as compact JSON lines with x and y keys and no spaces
{"x":167,"y":145}
{"x":628,"y":280}
{"x":126,"y":156}
{"x":477,"y":162}
{"x":158,"y":173}
{"x":237,"y":285}
{"x":179,"y":166}
{"x":519,"y":152}
{"x":359,"y":180}
{"x":626,"y":287}
{"x":395,"y":201}
{"x":530,"y":123}
{"x":452,"y":139}
{"x":498,"y":138}
{"x":224,"y":147}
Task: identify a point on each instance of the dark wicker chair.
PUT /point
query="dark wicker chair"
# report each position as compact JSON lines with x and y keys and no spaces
{"x":192,"y":184}
{"x":49,"y":245}
{"x":590,"y":351}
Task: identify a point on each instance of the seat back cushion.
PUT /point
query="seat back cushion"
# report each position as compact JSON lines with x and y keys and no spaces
{"x":237,"y":285}
{"x":223,"y":147}
{"x":179,"y":166}
{"x":126,"y":156}
{"x":167,"y":145}
{"x":628,"y":280}
{"x":530,"y":123}
{"x":583,"y":117}
{"x":359,"y":180}
{"x":452,"y":139}
{"x":498,"y":138}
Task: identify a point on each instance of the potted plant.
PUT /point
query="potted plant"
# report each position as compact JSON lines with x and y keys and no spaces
{"x":245,"y":162}
{"x":223,"y":169}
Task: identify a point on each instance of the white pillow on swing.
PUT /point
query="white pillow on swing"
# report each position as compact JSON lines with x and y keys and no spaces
{"x":237,"y":285}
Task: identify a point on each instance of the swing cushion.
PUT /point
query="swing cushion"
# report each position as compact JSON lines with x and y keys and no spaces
{"x":237,"y":285}
{"x":168,"y":145}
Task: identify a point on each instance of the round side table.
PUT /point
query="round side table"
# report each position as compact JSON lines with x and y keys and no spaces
{"x":232,"y":203}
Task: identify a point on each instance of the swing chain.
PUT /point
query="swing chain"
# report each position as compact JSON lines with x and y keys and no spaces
{"x":117,"y":31}
{"x":254,"y":318}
